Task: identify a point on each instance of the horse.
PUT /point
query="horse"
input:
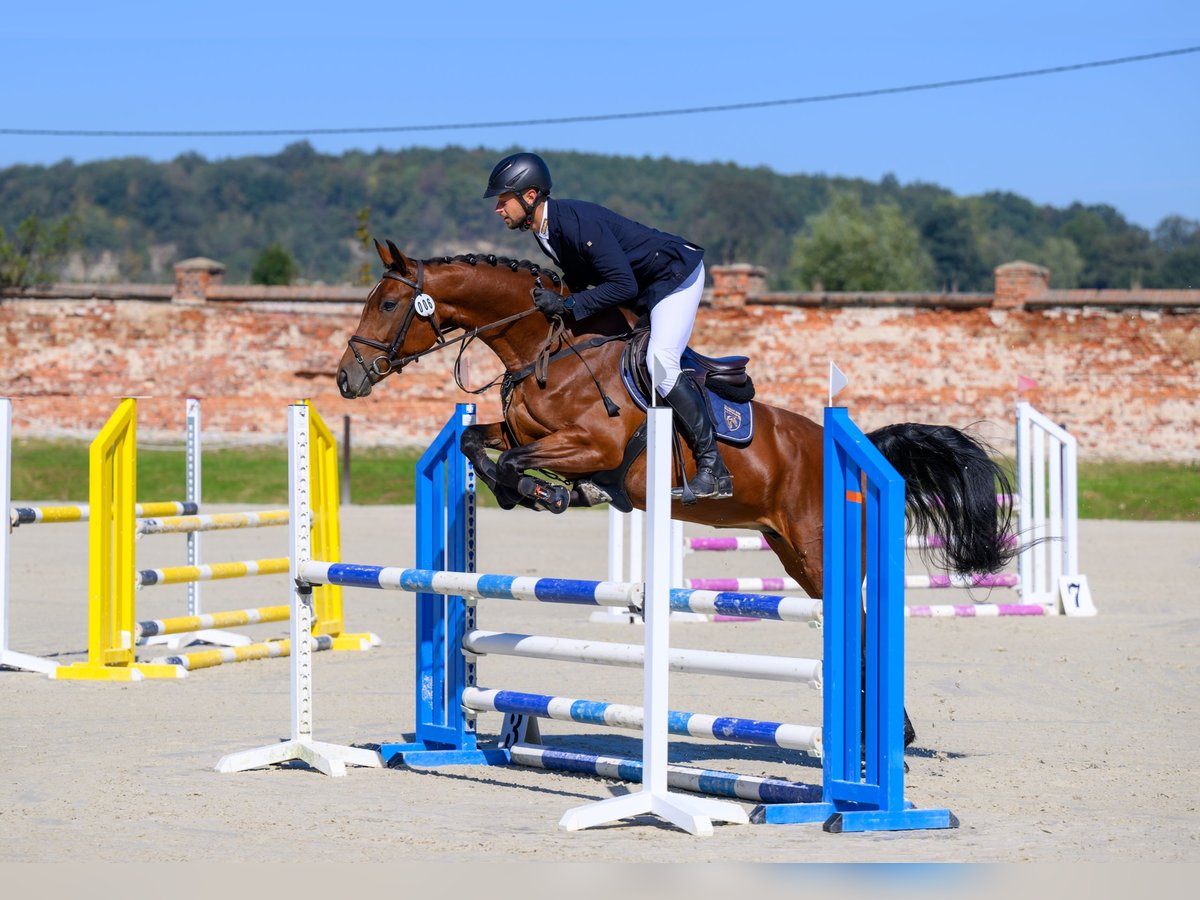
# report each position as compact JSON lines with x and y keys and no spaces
{"x":559,"y":417}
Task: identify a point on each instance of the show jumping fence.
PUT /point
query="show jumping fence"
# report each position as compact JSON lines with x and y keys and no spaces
{"x":861,"y":731}
{"x":113,"y":579}
{"x":1047,"y":579}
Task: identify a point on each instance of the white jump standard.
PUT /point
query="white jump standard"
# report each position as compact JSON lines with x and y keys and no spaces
{"x":328,"y":758}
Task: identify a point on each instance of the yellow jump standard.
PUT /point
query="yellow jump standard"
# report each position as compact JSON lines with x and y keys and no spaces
{"x":113,"y":577}
{"x":112,"y":489}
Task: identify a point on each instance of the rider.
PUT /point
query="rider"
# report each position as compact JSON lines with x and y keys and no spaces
{"x":608,"y":260}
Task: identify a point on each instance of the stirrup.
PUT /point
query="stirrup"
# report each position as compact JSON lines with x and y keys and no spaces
{"x":705,"y":485}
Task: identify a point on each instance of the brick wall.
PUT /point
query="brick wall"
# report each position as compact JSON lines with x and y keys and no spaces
{"x":1120,"y":369}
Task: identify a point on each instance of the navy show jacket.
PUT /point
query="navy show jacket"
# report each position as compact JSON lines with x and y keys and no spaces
{"x":609,"y":260}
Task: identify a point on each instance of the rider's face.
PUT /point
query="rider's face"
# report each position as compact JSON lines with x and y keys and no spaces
{"x":509,"y":208}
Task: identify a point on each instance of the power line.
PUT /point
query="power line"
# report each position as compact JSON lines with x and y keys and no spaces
{"x":609,"y":117}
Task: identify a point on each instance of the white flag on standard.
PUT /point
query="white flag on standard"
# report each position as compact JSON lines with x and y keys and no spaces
{"x":837,"y":381}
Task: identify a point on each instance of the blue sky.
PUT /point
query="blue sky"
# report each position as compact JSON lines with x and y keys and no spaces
{"x":1127,"y":135}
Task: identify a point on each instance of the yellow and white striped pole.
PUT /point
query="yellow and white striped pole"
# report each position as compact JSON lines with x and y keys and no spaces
{"x":205,"y":659}
{"x":213,"y":522}
{"x":229,"y":619}
{"x":38,"y":515}
{"x":212,"y":572}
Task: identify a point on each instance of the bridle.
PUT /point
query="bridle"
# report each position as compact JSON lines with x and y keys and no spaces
{"x":423,"y":305}
{"x":389,"y":361}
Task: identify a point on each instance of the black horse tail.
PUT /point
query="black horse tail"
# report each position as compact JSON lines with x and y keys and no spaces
{"x":951,"y":488}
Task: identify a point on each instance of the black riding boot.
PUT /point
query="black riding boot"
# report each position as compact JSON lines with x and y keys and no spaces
{"x":712,"y":479}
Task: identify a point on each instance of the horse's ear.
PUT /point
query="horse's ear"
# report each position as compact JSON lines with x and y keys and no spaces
{"x":392,"y":258}
{"x":399,"y":260}
{"x":384,"y":256}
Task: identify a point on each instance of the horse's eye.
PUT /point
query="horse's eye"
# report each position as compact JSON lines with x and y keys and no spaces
{"x":387,"y":305}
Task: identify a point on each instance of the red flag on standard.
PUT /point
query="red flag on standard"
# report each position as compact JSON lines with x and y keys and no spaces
{"x":1025,"y":384}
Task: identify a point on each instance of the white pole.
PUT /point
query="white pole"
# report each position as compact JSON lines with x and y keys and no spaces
{"x":616,"y":544}
{"x":1070,"y":506}
{"x":1025,"y":558}
{"x":676,"y":553}
{"x":616,"y":569}
{"x":10,"y":657}
{"x":193,"y":494}
{"x":636,"y":518}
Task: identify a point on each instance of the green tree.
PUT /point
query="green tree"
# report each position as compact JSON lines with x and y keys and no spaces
{"x":850,"y":248}
{"x":947,"y":235}
{"x":1061,"y":257}
{"x":1179,"y":238}
{"x":273,"y":266}
{"x":36,"y":251}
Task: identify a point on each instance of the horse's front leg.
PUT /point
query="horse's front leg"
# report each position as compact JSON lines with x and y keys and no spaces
{"x":570,"y":454}
{"x":475,"y":442}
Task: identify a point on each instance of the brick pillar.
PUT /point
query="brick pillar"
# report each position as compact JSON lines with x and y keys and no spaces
{"x":733,"y":284}
{"x":1019,"y":282}
{"x":193,"y":278}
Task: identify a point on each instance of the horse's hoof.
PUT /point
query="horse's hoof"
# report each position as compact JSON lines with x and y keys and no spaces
{"x":552,"y":497}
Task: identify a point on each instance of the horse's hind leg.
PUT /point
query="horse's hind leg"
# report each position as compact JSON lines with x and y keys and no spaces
{"x":808,"y":571}
{"x":805,"y":568}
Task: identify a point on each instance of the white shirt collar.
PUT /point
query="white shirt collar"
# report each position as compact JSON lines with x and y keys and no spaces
{"x":543,"y":233}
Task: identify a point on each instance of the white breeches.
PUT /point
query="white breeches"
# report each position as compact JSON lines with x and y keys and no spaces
{"x":671,"y":323}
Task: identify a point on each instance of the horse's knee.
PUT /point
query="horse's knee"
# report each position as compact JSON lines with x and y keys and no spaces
{"x":508,"y":467}
{"x":471,"y":442}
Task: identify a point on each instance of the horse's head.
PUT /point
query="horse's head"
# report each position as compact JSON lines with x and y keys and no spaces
{"x":396,"y":322}
{"x":415,"y":304}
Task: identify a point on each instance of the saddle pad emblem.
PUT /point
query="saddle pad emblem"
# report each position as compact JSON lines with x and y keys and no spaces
{"x":733,"y":418}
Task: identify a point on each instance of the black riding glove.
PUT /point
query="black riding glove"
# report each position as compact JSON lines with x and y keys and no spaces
{"x":550,"y":302}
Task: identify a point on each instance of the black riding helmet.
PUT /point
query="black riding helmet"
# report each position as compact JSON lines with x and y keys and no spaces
{"x":518,"y":173}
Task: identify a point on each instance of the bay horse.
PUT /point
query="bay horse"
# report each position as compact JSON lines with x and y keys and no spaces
{"x":561,"y":416}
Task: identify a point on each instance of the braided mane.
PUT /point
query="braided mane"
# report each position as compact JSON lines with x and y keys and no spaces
{"x":515,"y":265}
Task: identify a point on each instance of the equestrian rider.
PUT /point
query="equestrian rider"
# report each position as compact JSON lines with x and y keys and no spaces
{"x":608,"y":260}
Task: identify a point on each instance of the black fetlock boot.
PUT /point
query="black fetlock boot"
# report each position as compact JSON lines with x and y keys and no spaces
{"x":712,"y":480}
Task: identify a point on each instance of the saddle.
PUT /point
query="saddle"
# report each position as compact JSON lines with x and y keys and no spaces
{"x":724,"y":380}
